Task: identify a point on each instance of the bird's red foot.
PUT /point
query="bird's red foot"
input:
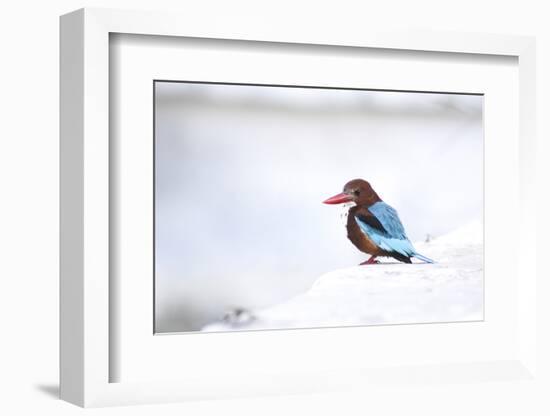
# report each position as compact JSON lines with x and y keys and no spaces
{"x":372,"y":260}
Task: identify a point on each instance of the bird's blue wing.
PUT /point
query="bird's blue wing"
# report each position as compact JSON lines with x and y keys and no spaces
{"x":391,"y":236}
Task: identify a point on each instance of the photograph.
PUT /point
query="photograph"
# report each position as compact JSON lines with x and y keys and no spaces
{"x":293,"y":206}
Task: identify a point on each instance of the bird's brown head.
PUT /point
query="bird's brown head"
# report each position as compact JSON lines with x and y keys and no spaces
{"x":356,"y":190}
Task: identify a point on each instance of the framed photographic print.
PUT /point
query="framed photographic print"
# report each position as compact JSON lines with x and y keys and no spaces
{"x":261,"y":212}
{"x":242,"y":240}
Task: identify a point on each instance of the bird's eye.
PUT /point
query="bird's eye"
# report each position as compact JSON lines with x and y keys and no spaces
{"x":356,"y":192}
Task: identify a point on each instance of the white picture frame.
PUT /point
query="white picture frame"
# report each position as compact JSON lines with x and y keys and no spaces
{"x":86,"y":355}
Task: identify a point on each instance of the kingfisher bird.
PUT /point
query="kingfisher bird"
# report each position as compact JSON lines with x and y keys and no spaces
{"x":374,"y":226}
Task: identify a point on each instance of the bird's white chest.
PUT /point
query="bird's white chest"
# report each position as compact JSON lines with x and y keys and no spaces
{"x":345,"y":212}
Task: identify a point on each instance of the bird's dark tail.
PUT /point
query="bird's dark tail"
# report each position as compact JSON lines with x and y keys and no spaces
{"x":423,"y":258}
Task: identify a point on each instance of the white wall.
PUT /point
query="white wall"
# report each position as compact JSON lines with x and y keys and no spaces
{"x":28,"y":168}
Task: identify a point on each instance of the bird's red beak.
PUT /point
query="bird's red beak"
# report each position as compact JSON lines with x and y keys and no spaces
{"x":339,"y":199}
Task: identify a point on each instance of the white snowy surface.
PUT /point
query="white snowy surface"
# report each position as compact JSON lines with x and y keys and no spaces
{"x":386,"y":293}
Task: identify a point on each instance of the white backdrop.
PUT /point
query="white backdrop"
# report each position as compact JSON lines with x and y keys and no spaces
{"x":28,"y":166}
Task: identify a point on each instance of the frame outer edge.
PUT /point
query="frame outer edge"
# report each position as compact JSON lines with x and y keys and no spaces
{"x":95,"y":207}
{"x":142,"y":22}
{"x":527,"y":153}
{"x":71,"y":371}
